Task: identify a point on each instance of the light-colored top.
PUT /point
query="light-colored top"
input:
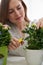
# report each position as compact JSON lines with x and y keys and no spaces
{"x":15,"y":33}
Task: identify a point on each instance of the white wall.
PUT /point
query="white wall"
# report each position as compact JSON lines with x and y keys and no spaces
{"x":35,"y":9}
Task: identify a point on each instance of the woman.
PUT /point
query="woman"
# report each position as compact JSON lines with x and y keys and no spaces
{"x":14,"y":14}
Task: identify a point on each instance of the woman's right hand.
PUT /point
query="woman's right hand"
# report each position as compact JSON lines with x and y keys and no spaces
{"x":40,"y":23}
{"x":14,"y":44}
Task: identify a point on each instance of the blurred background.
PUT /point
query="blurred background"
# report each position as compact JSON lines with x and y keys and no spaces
{"x":35,"y":9}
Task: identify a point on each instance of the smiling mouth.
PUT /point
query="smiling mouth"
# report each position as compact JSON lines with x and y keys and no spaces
{"x":18,"y":18}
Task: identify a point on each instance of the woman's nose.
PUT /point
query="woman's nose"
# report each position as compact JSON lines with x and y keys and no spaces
{"x":16,"y":13}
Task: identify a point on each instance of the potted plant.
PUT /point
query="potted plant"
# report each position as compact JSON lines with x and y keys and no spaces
{"x":34,"y":47}
{"x":5,"y":38}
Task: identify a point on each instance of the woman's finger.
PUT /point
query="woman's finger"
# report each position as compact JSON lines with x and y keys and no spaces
{"x":11,"y":47}
{"x":17,"y":42}
{"x":40,"y":23}
{"x":15,"y":39}
{"x":14,"y":43}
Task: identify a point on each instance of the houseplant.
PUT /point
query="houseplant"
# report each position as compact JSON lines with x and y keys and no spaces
{"x":5,"y":38}
{"x":34,"y":47}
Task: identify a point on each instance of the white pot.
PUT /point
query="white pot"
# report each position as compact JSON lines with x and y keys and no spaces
{"x":34,"y":57}
{"x":1,"y":61}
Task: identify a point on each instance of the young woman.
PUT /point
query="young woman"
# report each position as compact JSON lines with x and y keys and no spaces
{"x":14,"y":14}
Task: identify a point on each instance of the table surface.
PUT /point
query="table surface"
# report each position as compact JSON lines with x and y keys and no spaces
{"x":16,"y":60}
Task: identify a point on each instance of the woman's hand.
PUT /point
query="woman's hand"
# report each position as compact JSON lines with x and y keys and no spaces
{"x":14,"y":44}
{"x":40,"y":23}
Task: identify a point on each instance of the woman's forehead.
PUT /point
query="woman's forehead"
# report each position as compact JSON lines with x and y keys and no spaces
{"x":14,"y":3}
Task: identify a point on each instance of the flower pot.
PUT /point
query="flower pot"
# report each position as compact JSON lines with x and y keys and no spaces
{"x":4,"y":52}
{"x":34,"y":57}
{"x":1,"y":59}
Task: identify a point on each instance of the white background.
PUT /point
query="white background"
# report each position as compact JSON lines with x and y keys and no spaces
{"x":35,"y":9}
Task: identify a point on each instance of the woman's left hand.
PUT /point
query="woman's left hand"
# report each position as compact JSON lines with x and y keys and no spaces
{"x":40,"y":23}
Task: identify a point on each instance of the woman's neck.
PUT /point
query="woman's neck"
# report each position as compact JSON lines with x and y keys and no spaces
{"x":21,"y":26}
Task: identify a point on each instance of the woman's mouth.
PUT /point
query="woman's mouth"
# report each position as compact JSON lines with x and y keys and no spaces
{"x":18,"y":18}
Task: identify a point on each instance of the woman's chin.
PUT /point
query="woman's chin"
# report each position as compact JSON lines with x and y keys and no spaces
{"x":20,"y":20}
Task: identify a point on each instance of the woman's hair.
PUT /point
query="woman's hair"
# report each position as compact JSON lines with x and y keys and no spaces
{"x":4,"y":10}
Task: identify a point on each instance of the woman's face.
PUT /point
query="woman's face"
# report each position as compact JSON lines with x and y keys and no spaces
{"x":16,"y":12}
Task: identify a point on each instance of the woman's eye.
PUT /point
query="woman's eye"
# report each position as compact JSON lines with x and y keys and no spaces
{"x":10,"y":12}
{"x":18,"y":8}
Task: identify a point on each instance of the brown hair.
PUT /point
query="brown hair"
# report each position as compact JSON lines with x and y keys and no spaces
{"x":4,"y":10}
